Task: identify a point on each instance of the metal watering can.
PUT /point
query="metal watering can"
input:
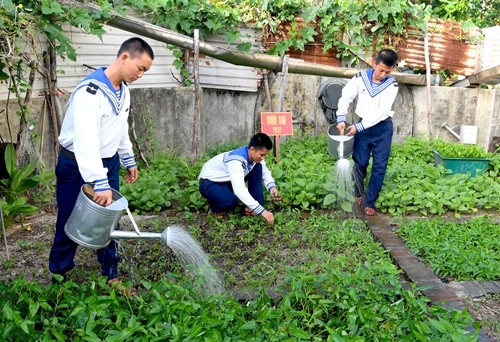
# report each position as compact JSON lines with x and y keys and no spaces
{"x":468,"y":134}
{"x":339,"y":145}
{"x":94,"y":226}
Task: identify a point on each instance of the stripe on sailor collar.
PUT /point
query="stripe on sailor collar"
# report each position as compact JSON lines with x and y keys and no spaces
{"x":373,"y":88}
{"x":240,"y":154}
{"x":99,"y":80}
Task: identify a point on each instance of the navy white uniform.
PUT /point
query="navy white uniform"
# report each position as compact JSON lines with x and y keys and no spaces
{"x":374,"y":129}
{"x":222,"y":181}
{"x":94,"y":141}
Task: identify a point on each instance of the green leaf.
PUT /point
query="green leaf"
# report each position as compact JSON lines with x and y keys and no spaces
{"x":7,"y":311}
{"x":250,"y":325}
{"x":346,"y":206}
{"x":10,"y":160}
{"x":51,"y":7}
{"x":329,"y":199}
{"x":3,"y":75}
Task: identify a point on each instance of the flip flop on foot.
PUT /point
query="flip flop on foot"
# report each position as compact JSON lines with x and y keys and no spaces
{"x":370,"y":211}
{"x":118,"y":285}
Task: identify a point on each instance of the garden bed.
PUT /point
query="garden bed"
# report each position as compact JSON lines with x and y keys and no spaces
{"x":300,"y":259}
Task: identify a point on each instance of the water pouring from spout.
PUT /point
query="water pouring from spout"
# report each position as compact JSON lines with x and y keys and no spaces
{"x":192,"y":258}
{"x":340,"y":146}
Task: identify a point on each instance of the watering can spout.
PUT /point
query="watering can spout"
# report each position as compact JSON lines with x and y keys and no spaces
{"x":451,"y":131}
{"x":126,"y":234}
{"x":165,"y":236}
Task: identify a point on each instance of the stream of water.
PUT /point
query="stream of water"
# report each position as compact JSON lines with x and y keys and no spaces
{"x":345,"y":184}
{"x":193,"y":259}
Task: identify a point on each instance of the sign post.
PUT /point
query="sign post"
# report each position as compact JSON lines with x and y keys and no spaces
{"x":276,"y":124}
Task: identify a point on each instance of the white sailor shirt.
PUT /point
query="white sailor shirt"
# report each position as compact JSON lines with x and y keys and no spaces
{"x":234,"y":166}
{"x":96,"y":126}
{"x":374,"y":100}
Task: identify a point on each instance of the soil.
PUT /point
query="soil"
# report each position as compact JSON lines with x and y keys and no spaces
{"x":29,"y":246}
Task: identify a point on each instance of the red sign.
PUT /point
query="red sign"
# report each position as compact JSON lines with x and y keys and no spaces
{"x":276,"y":123}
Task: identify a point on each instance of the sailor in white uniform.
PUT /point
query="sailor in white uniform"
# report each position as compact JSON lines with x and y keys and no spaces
{"x":222,"y":179}
{"x":94,"y":141}
{"x":376,"y":91}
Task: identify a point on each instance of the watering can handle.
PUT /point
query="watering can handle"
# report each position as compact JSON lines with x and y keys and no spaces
{"x":133,"y":221}
{"x":89,"y":191}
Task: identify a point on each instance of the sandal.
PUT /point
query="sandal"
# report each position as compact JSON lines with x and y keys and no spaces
{"x":118,"y":285}
{"x":369,"y":211}
{"x":217,"y":215}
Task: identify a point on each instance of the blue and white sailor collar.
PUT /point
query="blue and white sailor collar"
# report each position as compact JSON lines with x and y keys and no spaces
{"x":99,"y":81}
{"x":239,"y":154}
{"x":375,"y":88}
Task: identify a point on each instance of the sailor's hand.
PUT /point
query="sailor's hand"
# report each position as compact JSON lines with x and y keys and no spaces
{"x":132,"y":175}
{"x":341,"y":126}
{"x":269,"y":217}
{"x":275,"y":194}
{"x":351,"y":130}
{"x":103,"y":198}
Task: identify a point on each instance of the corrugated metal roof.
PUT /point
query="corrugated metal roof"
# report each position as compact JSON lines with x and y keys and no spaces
{"x":93,"y":52}
{"x":450,"y":48}
{"x":216,"y":74}
{"x":39,"y":82}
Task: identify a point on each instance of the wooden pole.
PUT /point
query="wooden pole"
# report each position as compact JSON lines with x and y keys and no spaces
{"x":428,"y":79}
{"x":54,"y":88}
{"x":4,"y":233}
{"x":280,"y":103}
{"x":197,"y":98}
{"x":268,"y":93}
{"x":51,"y":104}
{"x":136,"y":141}
{"x":42,"y":130}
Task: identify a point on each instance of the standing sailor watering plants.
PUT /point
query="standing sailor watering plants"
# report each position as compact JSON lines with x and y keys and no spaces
{"x":376,"y":91}
{"x":94,"y":140}
{"x":222,"y":179}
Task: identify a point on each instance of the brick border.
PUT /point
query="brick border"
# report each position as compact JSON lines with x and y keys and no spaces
{"x":447,"y":294}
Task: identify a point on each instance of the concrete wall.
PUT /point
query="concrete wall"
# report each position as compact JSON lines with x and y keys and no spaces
{"x":456,"y":107}
{"x":163,"y":118}
{"x":235,"y":116}
{"x":301,"y":98}
{"x":226,"y":116}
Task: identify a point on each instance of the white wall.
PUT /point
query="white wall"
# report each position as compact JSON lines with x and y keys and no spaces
{"x":491,"y":48}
